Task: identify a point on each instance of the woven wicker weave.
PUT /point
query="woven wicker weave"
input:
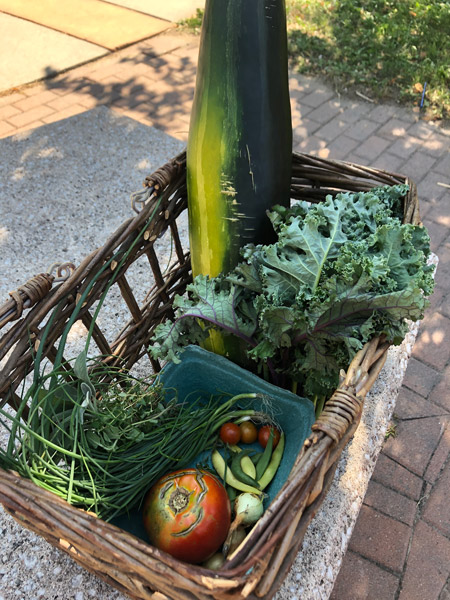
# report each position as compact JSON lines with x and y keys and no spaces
{"x":258,"y":567}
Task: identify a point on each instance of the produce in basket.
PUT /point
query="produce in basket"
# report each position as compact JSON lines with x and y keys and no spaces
{"x":187,"y":512}
{"x":249,"y":432}
{"x":101,"y":439}
{"x":342,"y":271}
{"x":248,"y":509}
{"x":258,"y":567}
{"x":287,"y":323}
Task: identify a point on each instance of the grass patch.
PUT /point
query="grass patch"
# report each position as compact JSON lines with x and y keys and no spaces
{"x":193,"y":24}
{"x":391,"y":431}
{"x":385,"y":49}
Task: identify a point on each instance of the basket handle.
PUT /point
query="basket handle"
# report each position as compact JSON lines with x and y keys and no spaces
{"x":345,"y":405}
{"x":34,"y":290}
{"x":161,"y":178}
{"x":158,"y":180}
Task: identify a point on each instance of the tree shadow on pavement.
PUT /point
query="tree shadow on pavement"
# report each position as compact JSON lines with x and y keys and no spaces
{"x":155,"y":89}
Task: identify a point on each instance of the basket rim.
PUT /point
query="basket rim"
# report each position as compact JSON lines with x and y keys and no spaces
{"x":321,"y":449}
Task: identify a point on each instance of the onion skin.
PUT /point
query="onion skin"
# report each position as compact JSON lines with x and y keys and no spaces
{"x":238,"y":537}
{"x":215,"y":562}
{"x":248,"y":508}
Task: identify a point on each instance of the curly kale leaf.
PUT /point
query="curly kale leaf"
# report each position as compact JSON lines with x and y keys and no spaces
{"x":360,"y":213}
{"x":341,"y":272}
{"x":310,"y":240}
{"x":405,"y":250}
{"x":304,"y":247}
{"x":326,"y":337}
{"x":209,"y":304}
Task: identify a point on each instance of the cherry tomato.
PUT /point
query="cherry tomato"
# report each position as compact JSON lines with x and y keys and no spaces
{"x":264,"y":433}
{"x":187,"y":513}
{"x":230,"y":433}
{"x":249,"y":433}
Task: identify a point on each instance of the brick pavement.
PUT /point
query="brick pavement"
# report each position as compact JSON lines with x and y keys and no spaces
{"x":400,"y":548}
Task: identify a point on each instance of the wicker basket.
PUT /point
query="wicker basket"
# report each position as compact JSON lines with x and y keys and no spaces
{"x":257,"y":568}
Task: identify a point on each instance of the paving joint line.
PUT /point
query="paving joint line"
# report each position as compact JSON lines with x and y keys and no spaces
{"x":386,"y":514}
{"x":417,"y":518}
{"x":50,"y":27}
{"x":98,"y":59}
{"x":375,"y":562}
{"x":435,"y":529}
{"x":392,"y":489}
{"x":445,"y":593}
{"x":424,"y":362}
{"x":421,"y":418}
{"x":445,"y":465}
{"x":399,"y":464}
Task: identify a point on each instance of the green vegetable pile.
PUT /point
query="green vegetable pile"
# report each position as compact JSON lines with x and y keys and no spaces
{"x":99,"y":438}
{"x":341,"y":272}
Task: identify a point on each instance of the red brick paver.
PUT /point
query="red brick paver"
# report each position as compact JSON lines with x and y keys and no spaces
{"x":428,"y":565}
{"x":432,"y":345}
{"x":381,"y":539}
{"x":436,"y":511}
{"x":415,"y":443}
{"x":400,"y":547}
{"x":391,"y":503}
{"x":410,"y":405}
{"x":437,"y":463}
{"x":361,"y":579}
{"x":395,"y":476}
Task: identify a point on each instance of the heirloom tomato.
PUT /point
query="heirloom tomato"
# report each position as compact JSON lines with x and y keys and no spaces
{"x":249,"y":433}
{"x":264,"y":434}
{"x":230,"y":433}
{"x":187,"y":513}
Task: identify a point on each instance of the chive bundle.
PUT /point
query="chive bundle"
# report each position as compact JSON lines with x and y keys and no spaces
{"x":100,"y":445}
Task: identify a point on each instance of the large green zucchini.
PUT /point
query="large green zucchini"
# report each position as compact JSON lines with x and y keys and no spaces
{"x":240,"y":138}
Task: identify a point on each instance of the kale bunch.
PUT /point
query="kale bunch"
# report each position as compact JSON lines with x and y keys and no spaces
{"x":341,"y":272}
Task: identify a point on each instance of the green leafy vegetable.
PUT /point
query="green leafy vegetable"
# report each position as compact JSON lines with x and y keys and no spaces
{"x":341,"y":272}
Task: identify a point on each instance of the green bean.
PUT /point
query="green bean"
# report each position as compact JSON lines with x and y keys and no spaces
{"x":263,"y":462}
{"x":219,"y":465}
{"x":273,"y":465}
{"x":237,"y":470}
{"x":232,"y":493}
{"x":54,"y":448}
{"x":255,"y":457}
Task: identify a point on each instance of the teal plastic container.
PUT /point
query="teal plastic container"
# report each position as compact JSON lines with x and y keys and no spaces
{"x":208,"y":373}
{"x":202,"y":374}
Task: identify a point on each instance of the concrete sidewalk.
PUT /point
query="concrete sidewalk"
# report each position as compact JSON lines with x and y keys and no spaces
{"x":400,"y":548}
{"x":38,"y":39}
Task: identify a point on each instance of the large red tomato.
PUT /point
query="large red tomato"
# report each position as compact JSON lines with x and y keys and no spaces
{"x":187,"y":513}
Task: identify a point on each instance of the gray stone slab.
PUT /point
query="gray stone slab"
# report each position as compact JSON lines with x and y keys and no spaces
{"x":29,"y":52}
{"x":64,"y":188}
